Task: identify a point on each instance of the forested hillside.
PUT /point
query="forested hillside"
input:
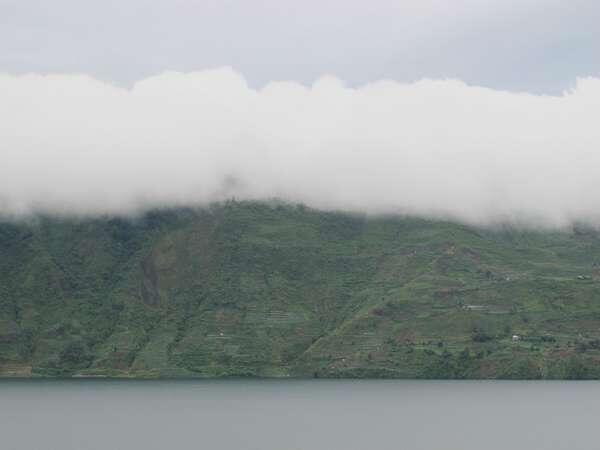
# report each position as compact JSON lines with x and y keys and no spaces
{"x":276,"y":290}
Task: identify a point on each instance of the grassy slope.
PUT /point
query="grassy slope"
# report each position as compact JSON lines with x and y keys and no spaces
{"x":279,"y":290}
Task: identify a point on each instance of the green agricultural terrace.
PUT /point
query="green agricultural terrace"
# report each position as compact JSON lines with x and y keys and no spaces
{"x":278,"y":290}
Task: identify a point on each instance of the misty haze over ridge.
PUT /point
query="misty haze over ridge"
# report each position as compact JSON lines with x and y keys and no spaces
{"x":437,"y":148}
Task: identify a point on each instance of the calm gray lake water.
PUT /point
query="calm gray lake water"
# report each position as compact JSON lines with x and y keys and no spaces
{"x":291,"y":415}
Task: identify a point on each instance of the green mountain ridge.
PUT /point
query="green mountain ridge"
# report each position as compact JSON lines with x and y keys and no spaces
{"x":277,"y":290}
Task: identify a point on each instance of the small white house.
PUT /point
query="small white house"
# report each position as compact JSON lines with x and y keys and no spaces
{"x":516,"y":338}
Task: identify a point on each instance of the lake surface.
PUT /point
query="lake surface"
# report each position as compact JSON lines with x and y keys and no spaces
{"x":298,"y":415}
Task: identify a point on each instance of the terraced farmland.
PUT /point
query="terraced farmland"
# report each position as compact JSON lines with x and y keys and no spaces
{"x":271,"y":289}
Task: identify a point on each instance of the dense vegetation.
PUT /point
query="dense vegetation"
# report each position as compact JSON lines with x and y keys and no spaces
{"x":257,"y":289}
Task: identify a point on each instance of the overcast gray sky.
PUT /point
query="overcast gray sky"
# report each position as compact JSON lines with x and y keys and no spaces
{"x":432,"y":107}
{"x":538,"y":46}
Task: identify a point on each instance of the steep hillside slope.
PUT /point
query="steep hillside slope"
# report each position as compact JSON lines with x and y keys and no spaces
{"x":256,"y":289}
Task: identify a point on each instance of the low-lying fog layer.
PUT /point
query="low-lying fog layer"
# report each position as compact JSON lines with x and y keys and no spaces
{"x":441,"y":148}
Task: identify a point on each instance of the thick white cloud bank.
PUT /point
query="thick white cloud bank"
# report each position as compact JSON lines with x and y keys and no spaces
{"x":72,"y":144}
